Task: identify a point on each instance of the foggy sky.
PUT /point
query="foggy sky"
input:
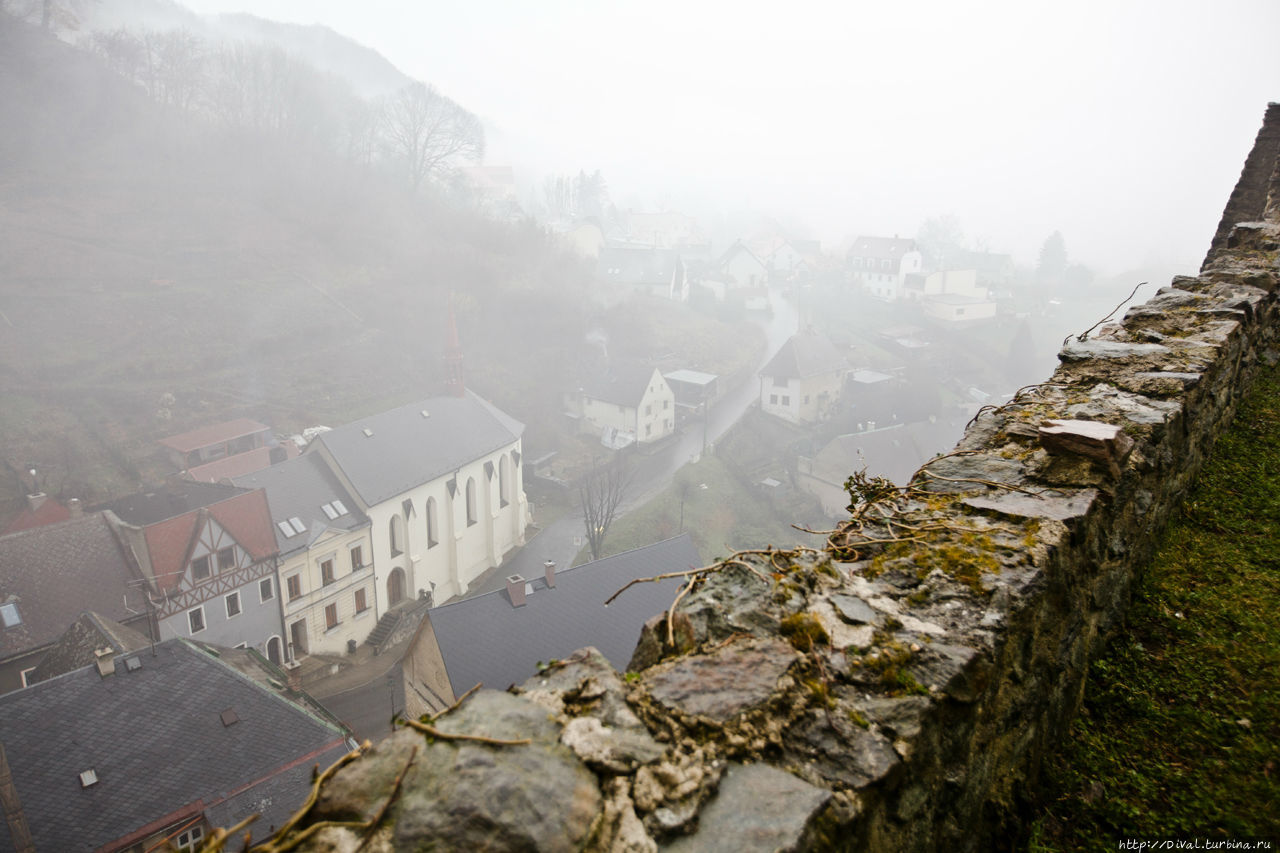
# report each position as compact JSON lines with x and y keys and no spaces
{"x":1122,"y":124}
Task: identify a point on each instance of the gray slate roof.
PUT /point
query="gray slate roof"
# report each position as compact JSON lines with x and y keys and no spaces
{"x":299,"y":488}
{"x":156,"y":740}
{"x":407,"y":449}
{"x":805,"y":354}
{"x":620,"y":383}
{"x":169,"y":501}
{"x":55,"y":572}
{"x":78,"y":643}
{"x":486,"y":640}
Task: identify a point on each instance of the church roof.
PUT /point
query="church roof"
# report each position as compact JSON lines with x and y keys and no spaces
{"x":387,"y":454}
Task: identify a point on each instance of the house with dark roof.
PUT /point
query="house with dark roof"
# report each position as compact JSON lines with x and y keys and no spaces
{"x":209,"y":554}
{"x":212,"y":453}
{"x":440,"y":481}
{"x":804,"y":379}
{"x":880,"y":265}
{"x":89,"y":639}
{"x":894,"y":452}
{"x":645,"y":269}
{"x":145,"y":748}
{"x":49,"y":575}
{"x":498,"y":638}
{"x":325,"y":565}
{"x":627,"y":403}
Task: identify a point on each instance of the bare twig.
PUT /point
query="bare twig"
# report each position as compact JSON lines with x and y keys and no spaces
{"x":671,"y":611}
{"x":456,"y":704}
{"x":395,"y":792}
{"x":428,"y":729}
{"x":315,"y":791}
{"x":1084,"y":336}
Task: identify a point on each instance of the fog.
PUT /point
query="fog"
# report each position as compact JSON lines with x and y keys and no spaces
{"x":1120,"y":124}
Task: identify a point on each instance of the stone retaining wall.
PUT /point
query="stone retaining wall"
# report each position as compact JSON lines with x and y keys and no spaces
{"x":896,"y":690}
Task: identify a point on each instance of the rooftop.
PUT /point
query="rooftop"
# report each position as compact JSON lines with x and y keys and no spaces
{"x":213,"y":434}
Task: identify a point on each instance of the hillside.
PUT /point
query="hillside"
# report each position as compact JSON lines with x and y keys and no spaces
{"x":156,"y":274}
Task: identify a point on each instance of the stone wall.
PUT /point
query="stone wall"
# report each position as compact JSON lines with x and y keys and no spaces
{"x":896,"y":690}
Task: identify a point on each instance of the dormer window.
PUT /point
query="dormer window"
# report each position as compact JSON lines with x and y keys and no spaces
{"x":9,"y":615}
{"x":226,"y":559}
{"x":200,"y":569}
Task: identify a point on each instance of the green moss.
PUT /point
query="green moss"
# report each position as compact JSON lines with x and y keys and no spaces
{"x":858,"y":719}
{"x":803,"y":631}
{"x":1177,"y":735}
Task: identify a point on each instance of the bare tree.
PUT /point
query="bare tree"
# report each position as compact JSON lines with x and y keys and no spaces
{"x":428,"y":133}
{"x":601,"y":491}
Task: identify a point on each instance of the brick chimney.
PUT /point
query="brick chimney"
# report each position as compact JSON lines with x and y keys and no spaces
{"x":103,"y":657}
{"x":550,"y":568}
{"x":515,"y":590}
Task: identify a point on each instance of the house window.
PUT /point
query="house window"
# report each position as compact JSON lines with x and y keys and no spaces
{"x":666,"y":404}
{"x":226,"y":559}
{"x":806,"y":399}
{"x":331,"y":617}
{"x":200,"y":568}
{"x":326,"y":571}
{"x":188,"y":840}
{"x":25,"y":675}
{"x":233,"y":604}
{"x":357,"y":559}
{"x":294,"y":584}
{"x":395,"y":533}
{"x":773,"y":399}
{"x":195,"y":620}
{"x":433,"y":537}
{"x":266,"y":590}
{"x":648,"y":430}
{"x":648,"y":409}
{"x":471,"y":502}
{"x":786,"y":400}
{"x":362,"y":601}
{"x":504,"y":481}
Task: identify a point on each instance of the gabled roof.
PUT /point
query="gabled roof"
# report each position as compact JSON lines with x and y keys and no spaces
{"x":213,"y":434}
{"x":739,"y":248}
{"x":622,"y":383}
{"x":405,"y":448}
{"x":53,"y":573}
{"x":155,"y":737}
{"x":805,"y":354}
{"x":486,"y":640}
{"x":301,"y":488}
{"x":245,"y":516}
{"x":76,"y":647}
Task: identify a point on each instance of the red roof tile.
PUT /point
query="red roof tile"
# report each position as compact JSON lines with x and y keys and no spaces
{"x":245,"y":516}
{"x":212,"y":434}
{"x":49,"y":512}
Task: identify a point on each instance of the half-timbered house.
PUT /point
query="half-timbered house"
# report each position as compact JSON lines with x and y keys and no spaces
{"x":209,"y":553}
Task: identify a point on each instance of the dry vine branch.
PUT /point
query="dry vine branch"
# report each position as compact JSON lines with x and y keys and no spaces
{"x":428,"y":729}
{"x":270,"y":846}
{"x":395,"y":792}
{"x":1084,"y":336}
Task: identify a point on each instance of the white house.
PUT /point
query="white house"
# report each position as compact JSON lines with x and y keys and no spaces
{"x":955,"y":296}
{"x":325,"y":569}
{"x":880,"y":265}
{"x":629,"y":403}
{"x":440,"y":481}
{"x":803,"y":380}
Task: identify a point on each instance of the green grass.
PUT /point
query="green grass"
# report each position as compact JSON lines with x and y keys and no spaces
{"x":1179,"y":735}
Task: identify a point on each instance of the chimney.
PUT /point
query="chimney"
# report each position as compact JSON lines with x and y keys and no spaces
{"x":550,"y":568}
{"x":35,"y":501}
{"x":103,"y":657}
{"x":76,"y":506}
{"x":515,"y":590}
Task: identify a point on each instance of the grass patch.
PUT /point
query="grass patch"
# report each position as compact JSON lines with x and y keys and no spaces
{"x":1180,"y":728}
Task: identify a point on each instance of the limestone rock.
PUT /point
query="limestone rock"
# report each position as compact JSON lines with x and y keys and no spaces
{"x":724,"y":683}
{"x":758,"y":808}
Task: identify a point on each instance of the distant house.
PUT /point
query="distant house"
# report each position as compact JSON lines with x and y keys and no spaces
{"x":327,"y":583}
{"x":956,"y":297}
{"x":743,"y":267}
{"x":894,"y":452}
{"x":628,"y":403}
{"x":209,"y":552}
{"x":49,"y":575}
{"x":880,"y":265}
{"x":222,"y":451}
{"x":804,"y":379}
{"x":144,"y":749}
{"x":440,"y":481}
{"x":498,"y":638}
{"x":645,"y":269}
{"x":667,"y":230}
